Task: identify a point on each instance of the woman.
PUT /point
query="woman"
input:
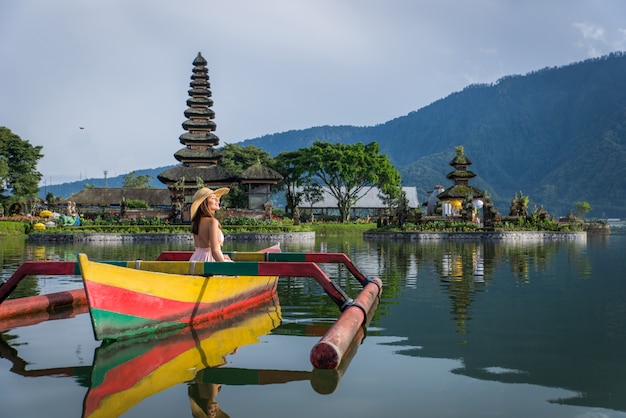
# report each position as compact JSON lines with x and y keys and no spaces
{"x":206,"y":229}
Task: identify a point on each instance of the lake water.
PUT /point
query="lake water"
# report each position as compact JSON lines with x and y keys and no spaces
{"x":471,"y":329}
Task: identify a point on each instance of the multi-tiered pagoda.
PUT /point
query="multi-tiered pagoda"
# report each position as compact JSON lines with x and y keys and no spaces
{"x":200,"y":160}
{"x":461,"y":199}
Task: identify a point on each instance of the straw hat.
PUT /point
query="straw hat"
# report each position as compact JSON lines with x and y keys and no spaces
{"x":201,"y":195}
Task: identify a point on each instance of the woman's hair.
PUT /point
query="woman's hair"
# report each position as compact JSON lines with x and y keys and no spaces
{"x":203,"y":211}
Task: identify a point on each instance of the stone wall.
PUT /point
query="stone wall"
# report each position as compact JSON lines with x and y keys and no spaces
{"x":476,"y":236}
{"x":186,"y":237}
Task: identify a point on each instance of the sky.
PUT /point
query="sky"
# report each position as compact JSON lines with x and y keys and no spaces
{"x":102,"y":85}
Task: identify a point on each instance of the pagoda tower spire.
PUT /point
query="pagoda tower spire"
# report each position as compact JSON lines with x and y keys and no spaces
{"x":199,"y":158}
{"x":199,"y":124}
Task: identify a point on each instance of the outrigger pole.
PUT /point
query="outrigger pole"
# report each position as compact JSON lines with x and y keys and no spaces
{"x":326,"y":354}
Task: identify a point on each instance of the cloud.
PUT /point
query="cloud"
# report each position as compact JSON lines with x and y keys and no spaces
{"x":121,"y":69}
{"x":590,"y":31}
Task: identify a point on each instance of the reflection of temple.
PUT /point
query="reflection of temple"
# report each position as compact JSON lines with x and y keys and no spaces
{"x":462,"y":272}
{"x":200,"y":160}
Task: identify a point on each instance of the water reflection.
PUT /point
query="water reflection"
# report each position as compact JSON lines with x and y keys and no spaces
{"x":542,"y":320}
{"x":124,"y":373}
{"x":546,"y":313}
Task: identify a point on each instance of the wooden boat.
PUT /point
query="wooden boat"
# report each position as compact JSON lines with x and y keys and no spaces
{"x":131,"y":298}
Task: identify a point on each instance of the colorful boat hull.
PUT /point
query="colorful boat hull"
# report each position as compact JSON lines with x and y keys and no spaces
{"x":127,"y":299}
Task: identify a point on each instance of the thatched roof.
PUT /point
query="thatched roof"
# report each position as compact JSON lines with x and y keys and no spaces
{"x":204,"y":138}
{"x":209,"y":154}
{"x":460,"y":174}
{"x":113,"y":196}
{"x":258,"y":173}
{"x":461,"y":192}
{"x":211,"y":175}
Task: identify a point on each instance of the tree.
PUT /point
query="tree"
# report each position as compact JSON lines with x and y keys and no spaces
{"x":581,"y":209}
{"x":349,"y":171}
{"x":133,"y":181}
{"x":237,"y":159}
{"x":292,"y":165}
{"x":51,"y":199}
{"x":390,"y":190}
{"x":18,"y":167}
{"x":312,"y":193}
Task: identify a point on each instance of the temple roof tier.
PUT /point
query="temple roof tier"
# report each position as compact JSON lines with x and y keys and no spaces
{"x":199,"y":93}
{"x":199,"y":60}
{"x":200,"y":82}
{"x":198,"y":112}
{"x":460,"y":159}
{"x":209,"y":155}
{"x":460,"y":174}
{"x":216,"y":175}
{"x":204,"y":138}
{"x":460,"y":192}
{"x":199,"y":125}
{"x":199,"y":102}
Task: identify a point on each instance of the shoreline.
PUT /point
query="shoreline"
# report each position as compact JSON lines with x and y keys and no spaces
{"x":306,"y":237}
{"x":182,"y":237}
{"x":477,"y":236}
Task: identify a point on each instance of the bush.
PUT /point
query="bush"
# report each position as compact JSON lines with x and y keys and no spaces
{"x":14,"y":228}
{"x":136,"y":204}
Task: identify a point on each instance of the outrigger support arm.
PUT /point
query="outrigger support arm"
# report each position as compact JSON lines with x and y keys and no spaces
{"x":326,"y":354}
{"x":34,"y":268}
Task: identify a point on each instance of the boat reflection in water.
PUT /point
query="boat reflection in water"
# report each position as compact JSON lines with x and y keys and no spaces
{"x":125,"y":372}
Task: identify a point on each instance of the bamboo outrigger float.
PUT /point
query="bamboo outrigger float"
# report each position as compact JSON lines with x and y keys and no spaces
{"x":170,"y":307}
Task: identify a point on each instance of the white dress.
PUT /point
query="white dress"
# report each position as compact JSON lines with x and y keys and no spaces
{"x":205,"y":254}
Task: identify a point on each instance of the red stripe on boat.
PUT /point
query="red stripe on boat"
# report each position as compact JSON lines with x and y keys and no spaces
{"x":128,"y":374}
{"x":123,"y":301}
{"x":128,"y":302}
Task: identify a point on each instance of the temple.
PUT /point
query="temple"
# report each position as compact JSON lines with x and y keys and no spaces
{"x":462,"y":200}
{"x":200,"y":160}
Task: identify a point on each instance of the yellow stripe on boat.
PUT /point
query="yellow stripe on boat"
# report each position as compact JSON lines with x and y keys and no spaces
{"x":177,"y":286}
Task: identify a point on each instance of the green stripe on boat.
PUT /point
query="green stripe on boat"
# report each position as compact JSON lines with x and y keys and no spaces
{"x":286,"y":257}
{"x":116,"y":325}
{"x":124,"y":352}
{"x":240,"y":268}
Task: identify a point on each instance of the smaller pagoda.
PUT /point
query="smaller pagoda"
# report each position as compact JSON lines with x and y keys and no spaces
{"x":461,"y":199}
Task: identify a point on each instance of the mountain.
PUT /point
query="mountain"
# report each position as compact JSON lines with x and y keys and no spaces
{"x":65,"y":190}
{"x":557,"y":135}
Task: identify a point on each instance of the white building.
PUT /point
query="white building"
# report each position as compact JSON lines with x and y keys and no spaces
{"x":368,"y":205}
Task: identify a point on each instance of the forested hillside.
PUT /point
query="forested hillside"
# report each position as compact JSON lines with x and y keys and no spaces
{"x":557,"y":135}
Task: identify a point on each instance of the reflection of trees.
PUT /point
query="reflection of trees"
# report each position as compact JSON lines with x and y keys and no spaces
{"x":524,"y":256}
{"x":13,"y":253}
{"x":465,"y":268}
